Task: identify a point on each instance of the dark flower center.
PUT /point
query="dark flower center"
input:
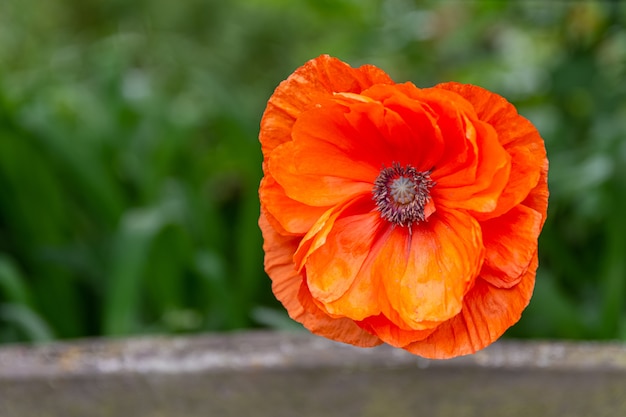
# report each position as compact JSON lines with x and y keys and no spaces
{"x":401,"y":194}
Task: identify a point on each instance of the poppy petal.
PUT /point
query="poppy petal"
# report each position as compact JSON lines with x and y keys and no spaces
{"x":376,"y":135}
{"x":516,"y":134}
{"x":416,"y":139}
{"x":293,"y":216}
{"x":487,"y":313}
{"x":442,"y":258}
{"x":337,"y":152}
{"x":391,"y":334}
{"x":510,"y":242}
{"x":318,"y":233}
{"x":538,"y":197}
{"x":332,"y":268}
{"x":318,"y":167}
{"x":513,"y":129}
{"x":316,"y":79}
{"x":340,"y":329}
{"x":460,"y":150}
{"x":491,"y":175}
{"x":360,"y":299}
{"x":287,"y":286}
{"x":524,"y":176}
{"x":321,"y":189}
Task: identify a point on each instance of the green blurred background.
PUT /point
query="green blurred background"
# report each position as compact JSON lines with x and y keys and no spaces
{"x":129,"y":159}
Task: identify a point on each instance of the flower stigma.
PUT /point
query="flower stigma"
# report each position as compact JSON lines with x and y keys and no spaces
{"x":401,"y":194}
{"x":402,"y":190}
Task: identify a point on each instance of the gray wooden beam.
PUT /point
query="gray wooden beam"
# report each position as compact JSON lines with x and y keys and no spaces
{"x":280,"y":374}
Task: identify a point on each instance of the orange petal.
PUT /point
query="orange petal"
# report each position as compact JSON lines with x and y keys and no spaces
{"x":518,"y":137}
{"x":538,"y":197}
{"x":490,"y":176}
{"x":325,"y":143}
{"x":513,"y":129}
{"x":293,"y":216}
{"x":524,"y":176}
{"x":370,"y":122}
{"x":366,"y":296}
{"x":459,"y":154}
{"x":332,"y":268}
{"x":280,"y":267}
{"x":382,"y":137}
{"x":511,"y":242}
{"x":340,"y":329}
{"x":316,"y":79}
{"x":391,"y":334}
{"x":415,"y":136}
{"x":287,"y":285}
{"x":442,"y":258}
{"x":349,"y":254}
{"x":318,"y":233}
{"x":370,"y":133}
{"x":296,"y":174}
{"x":338,"y":151}
{"x":321,"y":166}
{"x":487,"y":313}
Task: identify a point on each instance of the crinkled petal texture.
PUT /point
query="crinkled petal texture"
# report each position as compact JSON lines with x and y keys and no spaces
{"x":447,"y":285}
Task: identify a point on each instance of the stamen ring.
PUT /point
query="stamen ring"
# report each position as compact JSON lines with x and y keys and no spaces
{"x":401,"y":194}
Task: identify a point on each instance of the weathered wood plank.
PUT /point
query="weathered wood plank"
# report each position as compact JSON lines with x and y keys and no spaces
{"x":277,"y":374}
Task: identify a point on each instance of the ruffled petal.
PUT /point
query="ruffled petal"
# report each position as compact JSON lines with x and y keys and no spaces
{"x":459,"y":157}
{"x":517,"y":136}
{"x":390,"y":333}
{"x":513,"y":129}
{"x":487,"y":313}
{"x":412,"y":128}
{"x":339,"y":147}
{"x":429,"y":276}
{"x":510,"y":243}
{"x":487,"y":178}
{"x":382,"y":136}
{"x":340,"y":329}
{"x":288,"y":283}
{"x":360,"y":290}
{"x":525,"y":174}
{"x":318,"y":233}
{"x":293,"y":216}
{"x":315,"y":80}
{"x":320,"y":167}
{"x":311,"y":184}
{"x":538,"y":197}
{"x":333,"y":268}
{"x":326,"y":144}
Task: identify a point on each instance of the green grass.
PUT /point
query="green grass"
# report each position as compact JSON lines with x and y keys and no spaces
{"x":129,"y":160}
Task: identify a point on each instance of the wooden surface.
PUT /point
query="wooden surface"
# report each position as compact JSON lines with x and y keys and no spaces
{"x":293,"y":375}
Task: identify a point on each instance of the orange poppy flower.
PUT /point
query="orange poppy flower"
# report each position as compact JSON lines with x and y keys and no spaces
{"x":397,"y":214}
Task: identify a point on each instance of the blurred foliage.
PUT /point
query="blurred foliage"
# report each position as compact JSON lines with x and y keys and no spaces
{"x":129,"y":161}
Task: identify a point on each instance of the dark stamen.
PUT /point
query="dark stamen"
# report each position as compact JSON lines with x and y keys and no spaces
{"x":401,"y":194}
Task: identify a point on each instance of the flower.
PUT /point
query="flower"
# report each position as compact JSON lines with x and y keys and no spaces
{"x":396,"y":214}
